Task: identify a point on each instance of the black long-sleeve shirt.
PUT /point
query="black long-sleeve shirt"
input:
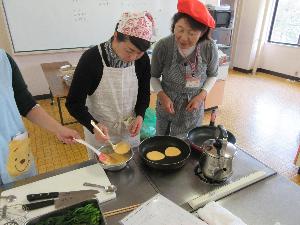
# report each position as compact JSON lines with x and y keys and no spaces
{"x":87,"y":77}
{"x":24,"y":100}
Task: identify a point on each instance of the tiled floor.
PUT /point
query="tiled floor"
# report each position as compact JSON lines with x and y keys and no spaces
{"x":262,"y":111}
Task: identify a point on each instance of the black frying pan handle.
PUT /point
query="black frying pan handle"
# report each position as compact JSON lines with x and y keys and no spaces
{"x":213,"y":116}
{"x":223,"y":133}
{"x":168,"y":130}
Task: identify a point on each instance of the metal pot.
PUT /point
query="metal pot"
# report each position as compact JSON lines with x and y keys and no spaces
{"x":107,"y":149}
{"x":216,"y":160}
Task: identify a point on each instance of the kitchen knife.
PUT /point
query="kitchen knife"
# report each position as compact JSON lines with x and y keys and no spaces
{"x":50,"y":195}
{"x":62,"y":201}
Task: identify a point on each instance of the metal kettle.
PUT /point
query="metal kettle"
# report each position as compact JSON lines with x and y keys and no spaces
{"x":216,"y":162}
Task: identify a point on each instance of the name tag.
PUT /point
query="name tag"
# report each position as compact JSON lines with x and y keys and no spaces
{"x":192,"y":82}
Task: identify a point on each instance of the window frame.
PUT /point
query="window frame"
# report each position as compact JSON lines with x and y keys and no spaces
{"x":272,"y":25}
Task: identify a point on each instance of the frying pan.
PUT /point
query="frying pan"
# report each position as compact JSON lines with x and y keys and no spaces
{"x":198,"y":135}
{"x":160,"y":143}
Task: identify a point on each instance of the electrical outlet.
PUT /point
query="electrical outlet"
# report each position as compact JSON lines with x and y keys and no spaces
{"x":296,"y":73}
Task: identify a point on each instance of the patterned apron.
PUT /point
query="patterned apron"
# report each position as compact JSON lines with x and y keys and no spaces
{"x":173,"y":84}
{"x":112,"y":103}
{"x":16,"y":161}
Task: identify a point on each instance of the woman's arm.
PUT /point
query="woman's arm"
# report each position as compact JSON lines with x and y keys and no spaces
{"x":209,"y":52}
{"x":212,"y":66}
{"x":158,"y":61}
{"x":24,"y":100}
{"x":28,"y":108}
{"x":86,"y":79}
{"x":142,"y":69}
{"x":40,"y":117}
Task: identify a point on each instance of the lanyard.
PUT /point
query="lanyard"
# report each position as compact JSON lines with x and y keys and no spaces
{"x":194,"y":64}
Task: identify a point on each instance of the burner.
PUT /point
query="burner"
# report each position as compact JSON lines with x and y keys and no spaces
{"x":199,"y":173}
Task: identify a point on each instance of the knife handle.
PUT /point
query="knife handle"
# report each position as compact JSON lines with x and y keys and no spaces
{"x":37,"y":205}
{"x":40,"y":196}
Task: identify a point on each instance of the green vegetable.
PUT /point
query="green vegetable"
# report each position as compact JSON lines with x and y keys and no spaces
{"x":86,"y":215}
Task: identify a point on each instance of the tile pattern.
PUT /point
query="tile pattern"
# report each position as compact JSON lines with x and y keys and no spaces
{"x":262,"y":111}
{"x":49,"y":152}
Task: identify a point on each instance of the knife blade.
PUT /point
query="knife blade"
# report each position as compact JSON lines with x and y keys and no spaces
{"x":50,"y":195}
{"x":61,"y":202}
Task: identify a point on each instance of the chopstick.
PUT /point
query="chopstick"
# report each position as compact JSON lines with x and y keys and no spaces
{"x":121,"y":210}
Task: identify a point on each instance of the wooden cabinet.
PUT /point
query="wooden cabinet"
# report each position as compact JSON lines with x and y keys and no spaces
{"x":216,"y":95}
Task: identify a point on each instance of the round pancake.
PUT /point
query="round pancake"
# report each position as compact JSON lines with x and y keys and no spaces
{"x":155,"y":155}
{"x":172,"y":151}
{"x":122,"y":148}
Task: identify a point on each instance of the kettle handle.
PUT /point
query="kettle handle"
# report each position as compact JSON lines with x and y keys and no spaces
{"x":197,"y":169}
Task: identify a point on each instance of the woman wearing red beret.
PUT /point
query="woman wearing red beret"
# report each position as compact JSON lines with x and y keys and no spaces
{"x":187,"y":63}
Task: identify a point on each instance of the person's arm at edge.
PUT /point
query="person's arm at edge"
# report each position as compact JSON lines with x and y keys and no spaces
{"x":40,"y":117}
{"x":28,"y":108}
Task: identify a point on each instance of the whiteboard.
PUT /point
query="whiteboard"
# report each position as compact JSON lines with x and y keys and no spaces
{"x":36,"y":25}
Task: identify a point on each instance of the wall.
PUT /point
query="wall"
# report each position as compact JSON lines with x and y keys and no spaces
{"x":30,"y":64}
{"x":280,"y":58}
{"x":4,"y":39}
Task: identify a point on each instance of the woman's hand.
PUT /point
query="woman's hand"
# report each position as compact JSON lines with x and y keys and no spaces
{"x":66,"y":135}
{"x":196,"y":101}
{"x":166,"y":102}
{"x":99,"y":136}
{"x":135,"y":126}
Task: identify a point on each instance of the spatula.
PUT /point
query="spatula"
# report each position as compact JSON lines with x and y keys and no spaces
{"x":101,"y":156}
{"x":100,"y":131}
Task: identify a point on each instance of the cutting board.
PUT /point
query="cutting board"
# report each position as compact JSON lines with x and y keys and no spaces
{"x":70,"y":181}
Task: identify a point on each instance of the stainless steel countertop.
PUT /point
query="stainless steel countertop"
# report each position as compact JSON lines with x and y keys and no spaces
{"x":274,"y":199}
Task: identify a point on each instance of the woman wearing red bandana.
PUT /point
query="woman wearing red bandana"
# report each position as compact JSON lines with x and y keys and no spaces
{"x":187,"y":63}
{"x":111,"y":83}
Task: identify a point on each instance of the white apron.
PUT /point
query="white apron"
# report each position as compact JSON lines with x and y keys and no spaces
{"x":112,"y":103}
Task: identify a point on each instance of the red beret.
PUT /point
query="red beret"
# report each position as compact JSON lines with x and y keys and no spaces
{"x":197,"y":11}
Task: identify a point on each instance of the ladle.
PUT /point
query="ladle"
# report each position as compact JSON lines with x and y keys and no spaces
{"x":109,"y":188}
{"x":101,"y":156}
{"x":9,"y":198}
{"x":100,"y":131}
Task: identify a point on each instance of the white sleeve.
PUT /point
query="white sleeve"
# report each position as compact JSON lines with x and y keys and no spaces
{"x":209,"y":83}
{"x":155,"y":84}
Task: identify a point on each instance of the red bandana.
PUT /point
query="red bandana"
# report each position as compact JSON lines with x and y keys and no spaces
{"x":140,"y":24}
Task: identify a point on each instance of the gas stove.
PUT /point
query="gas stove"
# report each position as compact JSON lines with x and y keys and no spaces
{"x":182,"y":185}
{"x":206,"y":180}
